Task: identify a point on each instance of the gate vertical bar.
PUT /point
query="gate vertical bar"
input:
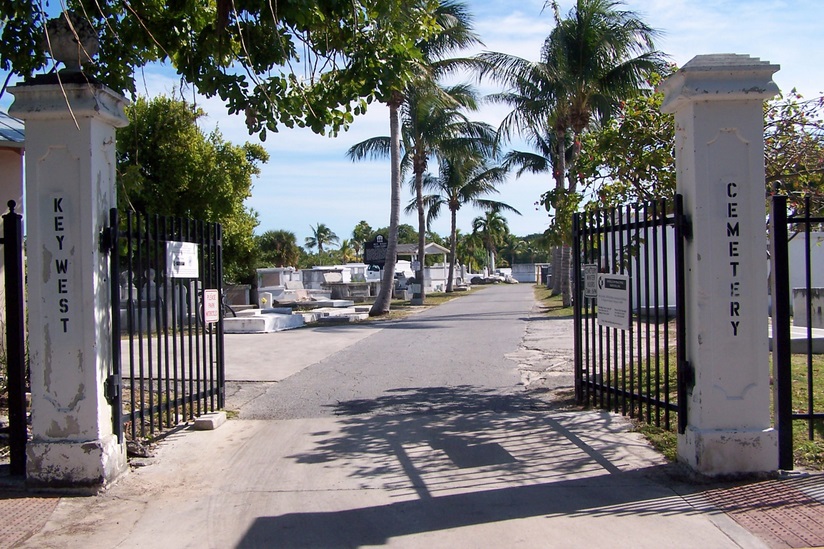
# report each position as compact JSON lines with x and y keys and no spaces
{"x":637,"y":376}
{"x":207,"y":350}
{"x":624,"y":270}
{"x":114,"y":387}
{"x":589,"y":326}
{"x":221,"y":378}
{"x":141,"y":222}
{"x":162,"y":292}
{"x":781,"y":340}
{"x":633,"y":299}
{"x":809,"y":312}
{"x":15,"y":338}
{"x":657,"y":227}
{"x":577,"y":303}
{"x":132,"y":314}
{"x":683,"y":368}
{"x":665,"y":298}
{"x":598,"y":374}
{"x":647,"y":340}
{"x":205,"y":340}
{"x":154,"y":244}
{"x":612,"y":333}
{"x":171,"y":290}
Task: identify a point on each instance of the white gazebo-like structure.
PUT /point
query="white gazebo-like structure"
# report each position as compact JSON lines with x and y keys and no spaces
{"x":435,"y":277}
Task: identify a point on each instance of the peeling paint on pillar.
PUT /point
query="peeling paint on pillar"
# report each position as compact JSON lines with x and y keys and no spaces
{"x":69,"y":430}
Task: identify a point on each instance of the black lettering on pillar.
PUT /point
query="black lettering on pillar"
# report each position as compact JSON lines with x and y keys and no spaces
{"x":61,"y":263}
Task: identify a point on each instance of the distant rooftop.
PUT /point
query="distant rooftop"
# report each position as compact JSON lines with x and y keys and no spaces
{"x":12,"y":133}
{"x":429,"y":249}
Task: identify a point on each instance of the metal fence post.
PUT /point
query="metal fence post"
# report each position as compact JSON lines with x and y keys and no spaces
{"x":114,"y":386}
{"x":684,"y":370}
{"x":15,"y":338}
{"x":781,"y":341}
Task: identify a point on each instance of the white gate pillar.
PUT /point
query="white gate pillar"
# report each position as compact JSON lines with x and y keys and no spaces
{"x":719,"y":148}
{"x":70,"y":188}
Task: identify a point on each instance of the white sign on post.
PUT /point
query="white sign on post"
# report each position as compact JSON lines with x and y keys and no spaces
{"x":211,"y":304}
{"x":181,"y":260}
{"x":613,"y":301}
{"x":590,"y":280}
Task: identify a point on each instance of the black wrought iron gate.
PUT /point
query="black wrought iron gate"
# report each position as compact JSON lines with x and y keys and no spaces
{"x":166,"y":273}
{"x":799,"y":378}
{"x":639,"y":368}
{"x":16,"y":383}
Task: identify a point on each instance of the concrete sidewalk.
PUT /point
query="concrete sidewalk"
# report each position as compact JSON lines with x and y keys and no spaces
{"x":531,"y":476}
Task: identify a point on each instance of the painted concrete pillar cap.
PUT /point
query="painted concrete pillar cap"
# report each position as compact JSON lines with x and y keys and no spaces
{"x":68,"y":99}
{"x":719,"y":77}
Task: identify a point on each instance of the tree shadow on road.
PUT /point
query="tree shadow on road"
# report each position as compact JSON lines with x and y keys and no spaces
{"x":452,"y":457}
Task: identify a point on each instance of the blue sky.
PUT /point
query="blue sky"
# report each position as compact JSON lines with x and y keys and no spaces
{"x":308,"y":179}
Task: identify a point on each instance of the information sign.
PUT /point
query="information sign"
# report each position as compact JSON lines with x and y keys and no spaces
{"x":211,"y":306}
{"x":613,"y":301}
{"x":590,"y":280}
{"x":374,"y":252}
{"x":181,"y":260}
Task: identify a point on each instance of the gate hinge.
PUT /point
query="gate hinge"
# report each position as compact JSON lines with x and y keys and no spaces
{"x":112,"y":389}
{"x":686,"y":226}
{"x":106,"y":239}
{"x":688,"y":374}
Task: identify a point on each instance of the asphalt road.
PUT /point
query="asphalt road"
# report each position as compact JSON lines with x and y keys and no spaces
{"x":418,"y":433}
{"x":445,"y":356}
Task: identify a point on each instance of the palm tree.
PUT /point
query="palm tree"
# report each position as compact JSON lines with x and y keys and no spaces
{"x":360,"y":234}
{"x":595,"y":58}
{"x":514,"y":246}
{"x":431,"y":129}
{"x":278,"y":248}
{"x":492,"y":230}
{"x":431,"y":113}
{"x":321,"y":234}
{"x":469,"y":250}
{"x":461,"y":182}
{"x":347,"y":252}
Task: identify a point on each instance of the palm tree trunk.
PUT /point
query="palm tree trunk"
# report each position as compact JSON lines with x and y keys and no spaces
{"x":421,"y":297}
{"x":566,"y":273}
{"x":556,"y":270}
{"x":566,"y":249}
{"x":453,"y":249}
{"x":559,"y":174}
{"x":384,"y":299}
